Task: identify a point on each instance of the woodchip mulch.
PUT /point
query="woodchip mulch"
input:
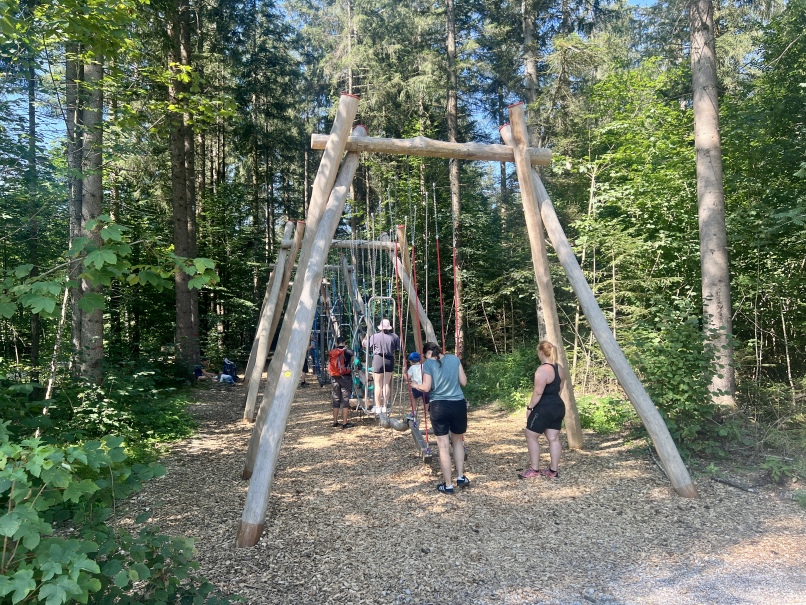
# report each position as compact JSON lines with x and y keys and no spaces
{"x":354,"y":517}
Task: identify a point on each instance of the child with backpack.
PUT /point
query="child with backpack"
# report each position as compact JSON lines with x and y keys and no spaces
{"x":339,"y":361}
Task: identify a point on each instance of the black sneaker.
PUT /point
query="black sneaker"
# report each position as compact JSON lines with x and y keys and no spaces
{"x":335,"y":424}
{"x":463,"y":481}
{"x":445,"y":490}
{"x":347,"y":425}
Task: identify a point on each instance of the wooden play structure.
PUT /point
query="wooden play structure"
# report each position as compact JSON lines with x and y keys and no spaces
{"x":312,"y":241}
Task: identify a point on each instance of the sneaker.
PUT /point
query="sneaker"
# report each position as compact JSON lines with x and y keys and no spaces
{"x":445,"y":490}
{"x":547,"y":472}
{"x":335,"y":424}
{"x":530,"y":473}
{"x":463,"y":481}
{"x":347,"y":425}
{"x":383,"y":410}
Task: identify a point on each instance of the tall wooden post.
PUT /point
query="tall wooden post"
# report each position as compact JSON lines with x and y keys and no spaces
{"x":537,"y":242}
{"x":415,"y":316}
{"x":322,"y":186}
{"x":296,"y":244}
{"x":655,"y":426}
{"x":285,"y":259}
{"x":257,"y":498}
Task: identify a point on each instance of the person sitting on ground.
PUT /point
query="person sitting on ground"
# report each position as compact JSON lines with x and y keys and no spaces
{"x":545,"y":413}
{"x":229,"y":374}
{"x":415,"y":373}
{"x":202,"y":370}
{"x":341,"y":376}
{"x":443,"y":378}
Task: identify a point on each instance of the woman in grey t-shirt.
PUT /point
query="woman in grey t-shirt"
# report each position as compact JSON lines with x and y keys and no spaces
{"x":443,"y":378}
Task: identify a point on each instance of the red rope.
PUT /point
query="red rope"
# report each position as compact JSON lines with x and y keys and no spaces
{"x":441,"y":304}
{"x":456,"y":299}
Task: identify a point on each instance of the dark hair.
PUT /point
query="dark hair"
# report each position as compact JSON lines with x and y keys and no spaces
{"x":435,"y":351}
{"x":341,"y":340}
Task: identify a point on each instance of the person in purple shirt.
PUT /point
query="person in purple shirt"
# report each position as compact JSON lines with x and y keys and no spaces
{"x":383,"y":345}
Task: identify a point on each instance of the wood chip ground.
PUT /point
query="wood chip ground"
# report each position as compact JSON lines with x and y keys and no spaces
{"x":354,"y":518}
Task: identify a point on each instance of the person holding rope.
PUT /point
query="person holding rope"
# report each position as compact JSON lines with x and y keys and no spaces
{"x":383,"y":344}
{"x":443,"y":378}
{"x":545,"y":413}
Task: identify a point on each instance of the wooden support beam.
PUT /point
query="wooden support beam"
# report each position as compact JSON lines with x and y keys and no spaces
{"x":540,"y":262}
{"x":322,"y":187}
{"x":352,"y":244}
{"x":415,"y":316}
{"x":427,"y":326}
{"x":260,"y":346}
{"x":424,"y":147}
{"x":257,"y":497}
{"x":656,"y":427}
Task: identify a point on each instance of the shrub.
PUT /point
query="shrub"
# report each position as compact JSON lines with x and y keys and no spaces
{"x":44,"y":487}
{"x":605,"y":415}
{"x":504,"y":379}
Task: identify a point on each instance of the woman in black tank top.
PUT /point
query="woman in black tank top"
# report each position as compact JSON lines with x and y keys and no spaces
{"x":545,"y":413}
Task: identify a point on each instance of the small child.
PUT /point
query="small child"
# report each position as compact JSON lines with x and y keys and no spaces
{"x":415,"y":373}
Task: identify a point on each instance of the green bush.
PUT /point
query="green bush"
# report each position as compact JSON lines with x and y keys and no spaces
{"x":670,"y":354}
{"x":503,"y":379}
{"x":605,"y":415}
{"x":44,"y":487}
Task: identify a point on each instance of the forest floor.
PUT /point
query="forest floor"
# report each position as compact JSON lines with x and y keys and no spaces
{"x":354,"y":517}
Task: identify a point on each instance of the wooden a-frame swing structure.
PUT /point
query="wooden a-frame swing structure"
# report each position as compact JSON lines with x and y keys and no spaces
{"x":313,"y":239}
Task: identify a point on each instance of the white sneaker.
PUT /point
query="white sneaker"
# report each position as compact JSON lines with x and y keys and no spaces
{"x":383,"y":410}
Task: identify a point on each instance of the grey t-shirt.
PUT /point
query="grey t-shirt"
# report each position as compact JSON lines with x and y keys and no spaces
{"x":384,"y":344}
{"x":445,"y":379}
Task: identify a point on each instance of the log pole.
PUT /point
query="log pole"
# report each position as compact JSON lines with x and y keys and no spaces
{"x":260,"y":347}
{"x":352,"y":244}
{"x":426,"y":324}
{"x":415,"y":316}
{"x":257,"y":497}
{"x":424,"y":147}
{"x":289,"y":268}
{"x":656,"y":427}
{"x":517,"y":136}
{"x":322,"y":186}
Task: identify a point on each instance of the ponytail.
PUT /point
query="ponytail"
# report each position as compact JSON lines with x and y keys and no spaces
{"x":549,"y":350}
{"x":435,"y":351}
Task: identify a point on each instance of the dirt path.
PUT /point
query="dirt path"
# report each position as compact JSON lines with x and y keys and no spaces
{"x":354,"y":518}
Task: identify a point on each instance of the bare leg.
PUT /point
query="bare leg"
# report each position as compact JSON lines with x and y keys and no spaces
{"x":387,"y":381}
{"x":533,"y":447}
{"x":458,"y":454}
{"x":444,"y":444}
{"x":335,"y":414}
{"x":555,"y":448}
{"x":345,"y":411}
{"x":378,"y":379}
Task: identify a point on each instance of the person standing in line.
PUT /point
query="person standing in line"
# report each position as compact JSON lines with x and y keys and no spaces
{"x":383,"y":345}
{"x":415,"y":373}
{"x":545,"y":413}
{"x":341,"y":376}
{"x":443,"y":378}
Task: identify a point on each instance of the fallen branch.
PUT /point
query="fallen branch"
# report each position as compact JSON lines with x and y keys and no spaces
{"x":733,"y":484}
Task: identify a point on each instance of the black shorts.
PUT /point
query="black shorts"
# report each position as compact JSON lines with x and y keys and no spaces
{"x":382,"y":364}
{"x":449,"y":416}
{"x":545,"y":417}
{"x":341,"y":390}
{"x":419,"y":394}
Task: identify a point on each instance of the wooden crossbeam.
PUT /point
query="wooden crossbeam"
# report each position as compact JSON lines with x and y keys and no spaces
{"x":425,"y":147}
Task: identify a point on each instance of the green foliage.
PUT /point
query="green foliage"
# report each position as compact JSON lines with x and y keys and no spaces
{"x":74,"y":487}
{"x":504,"y":379}
{"x":668,"y":349}
{"x":605,"y":415}
{"x":799,"y":496}
{"x":779,"y":469}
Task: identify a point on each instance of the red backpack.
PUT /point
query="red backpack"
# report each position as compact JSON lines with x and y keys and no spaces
{"x":336,"y":364}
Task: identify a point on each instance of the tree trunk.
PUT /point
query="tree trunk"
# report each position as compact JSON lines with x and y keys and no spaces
{"x":711,"y":202}
{"x":92,"y":323}
{"x":32,"y":183}
{"x":73,"y":75}
{"x":183,"y":189}
{"x":456,"y":202}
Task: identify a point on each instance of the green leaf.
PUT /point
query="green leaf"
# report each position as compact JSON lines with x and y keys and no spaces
{"x":10,"y":523}
{"x":22,"y":271}
{"x":77,"y":489}
{"x":203,"y":263}
{"x":91,"y":301}
{"x":22,"y":583}
{"x":7,"y":309}
{"x":99,"y":258}
{"x":112,"y":232}
{"x":122,"y":579}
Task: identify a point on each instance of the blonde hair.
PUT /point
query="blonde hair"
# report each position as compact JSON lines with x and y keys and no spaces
{"x":549,"y":350}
